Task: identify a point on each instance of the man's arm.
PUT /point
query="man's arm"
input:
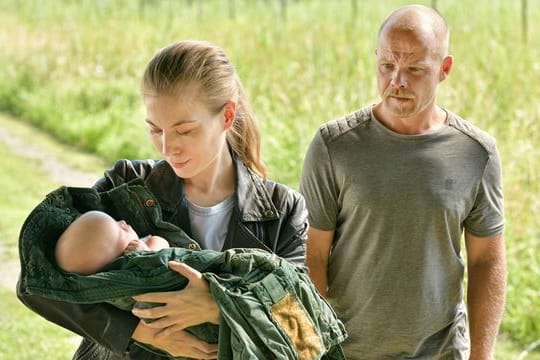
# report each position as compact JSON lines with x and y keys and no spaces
{"x":319,"y":244}
{"x":486,"y":266}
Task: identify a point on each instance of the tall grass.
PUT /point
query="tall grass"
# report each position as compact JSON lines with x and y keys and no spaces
{"x":72,"y":68}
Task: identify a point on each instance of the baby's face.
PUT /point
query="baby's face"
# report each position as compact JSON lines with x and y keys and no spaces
{"x":125,"y":234}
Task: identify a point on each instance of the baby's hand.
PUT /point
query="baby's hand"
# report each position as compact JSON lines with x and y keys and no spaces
{"x":156,"y":243}
{"x":136,"y":245}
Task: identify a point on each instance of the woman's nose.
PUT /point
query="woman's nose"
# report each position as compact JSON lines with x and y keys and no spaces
{"x":170,"y":144}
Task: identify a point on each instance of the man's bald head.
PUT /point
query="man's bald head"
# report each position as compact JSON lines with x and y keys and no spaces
{"x":422,"y":21}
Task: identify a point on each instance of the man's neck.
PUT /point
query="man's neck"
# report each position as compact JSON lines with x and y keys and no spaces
{"x":424,"y":122}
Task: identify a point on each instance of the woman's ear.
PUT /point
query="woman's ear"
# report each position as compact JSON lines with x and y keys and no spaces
{"x":229,"y":114}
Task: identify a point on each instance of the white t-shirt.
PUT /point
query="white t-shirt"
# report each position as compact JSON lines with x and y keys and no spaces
{"x":209,"y":224}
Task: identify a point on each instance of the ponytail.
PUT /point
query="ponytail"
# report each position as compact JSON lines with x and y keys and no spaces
{"x":202,"y":63}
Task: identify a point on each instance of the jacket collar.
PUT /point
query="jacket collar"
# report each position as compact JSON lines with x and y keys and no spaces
{"x":166,"y":186}
{"x":253,"y":200}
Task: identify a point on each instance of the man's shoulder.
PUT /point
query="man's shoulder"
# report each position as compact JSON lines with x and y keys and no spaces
{"x":340,"y":126}
{"x":483,"y":138}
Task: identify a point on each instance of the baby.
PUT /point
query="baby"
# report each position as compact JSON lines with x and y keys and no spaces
{"x":95,"y":239}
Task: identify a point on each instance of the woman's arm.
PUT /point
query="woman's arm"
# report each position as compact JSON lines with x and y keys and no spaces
{"x":102,"y":323}
{"x":293,"y":225}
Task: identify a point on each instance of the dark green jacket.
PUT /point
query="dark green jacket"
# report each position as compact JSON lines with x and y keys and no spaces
{"x":234,"y":277}
{"x":267,"y":215}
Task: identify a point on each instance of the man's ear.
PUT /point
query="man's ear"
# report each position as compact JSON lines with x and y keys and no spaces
{"x":229,"y":114}
{"x":446,"y":67}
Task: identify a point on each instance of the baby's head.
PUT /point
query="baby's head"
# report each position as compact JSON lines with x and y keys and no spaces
{"x":92,"y":241}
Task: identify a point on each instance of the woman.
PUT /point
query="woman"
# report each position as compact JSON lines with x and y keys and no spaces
{"x":211,"y":182}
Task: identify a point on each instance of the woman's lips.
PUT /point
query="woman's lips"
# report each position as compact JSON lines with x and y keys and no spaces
{"x":179,"y":164}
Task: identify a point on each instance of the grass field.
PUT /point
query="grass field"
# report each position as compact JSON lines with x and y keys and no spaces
{"x":26,"y":336}
{"x":72,"y":68}
{"x":24,"y":191}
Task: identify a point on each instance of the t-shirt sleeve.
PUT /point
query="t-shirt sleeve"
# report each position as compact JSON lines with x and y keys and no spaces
{"x":487,"y":215}
{"x":317,"y":185}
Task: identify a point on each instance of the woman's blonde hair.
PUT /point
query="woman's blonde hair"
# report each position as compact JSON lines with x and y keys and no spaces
{"x":207,"y":67}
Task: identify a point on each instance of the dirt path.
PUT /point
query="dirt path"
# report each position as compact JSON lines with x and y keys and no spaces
{"x":39,"y":147}
{"x":57,"y":170}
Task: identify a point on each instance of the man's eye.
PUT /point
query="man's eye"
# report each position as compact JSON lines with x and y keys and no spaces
{"x":155,"y":131}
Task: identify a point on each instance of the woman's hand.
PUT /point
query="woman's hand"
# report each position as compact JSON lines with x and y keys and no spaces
{"x":180,"y":343}
{"x":190,"y":306}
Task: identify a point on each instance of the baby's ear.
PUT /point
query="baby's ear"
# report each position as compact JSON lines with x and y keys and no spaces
{"x":134,"y":245}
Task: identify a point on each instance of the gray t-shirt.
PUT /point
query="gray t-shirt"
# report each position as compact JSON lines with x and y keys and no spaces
{"x":398,"y":205}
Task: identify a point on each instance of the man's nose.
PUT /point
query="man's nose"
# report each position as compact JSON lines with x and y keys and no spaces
{"x":399,"y":79}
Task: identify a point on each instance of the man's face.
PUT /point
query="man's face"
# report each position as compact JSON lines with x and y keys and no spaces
{"x":408,"y":72}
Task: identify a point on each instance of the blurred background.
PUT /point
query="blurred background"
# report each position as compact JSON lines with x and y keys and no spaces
{"x":70,"y":106}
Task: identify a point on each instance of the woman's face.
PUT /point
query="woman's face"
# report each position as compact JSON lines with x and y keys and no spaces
{"x":189,"y":136}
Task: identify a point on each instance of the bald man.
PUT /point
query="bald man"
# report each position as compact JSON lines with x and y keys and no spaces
{"x":391,"y":189}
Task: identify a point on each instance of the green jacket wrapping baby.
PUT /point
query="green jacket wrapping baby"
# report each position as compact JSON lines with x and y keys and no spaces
{"x":269,"y":307}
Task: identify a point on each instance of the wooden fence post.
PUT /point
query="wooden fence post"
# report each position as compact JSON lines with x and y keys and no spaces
{"x":232,"y":9}
{"x":524,"y":24}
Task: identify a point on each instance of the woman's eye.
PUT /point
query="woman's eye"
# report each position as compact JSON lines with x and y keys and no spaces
{"x":155,"y":131}
{"x":185,"y":131}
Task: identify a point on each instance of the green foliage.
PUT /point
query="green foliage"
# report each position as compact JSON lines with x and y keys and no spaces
{"x":72,"y":68}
